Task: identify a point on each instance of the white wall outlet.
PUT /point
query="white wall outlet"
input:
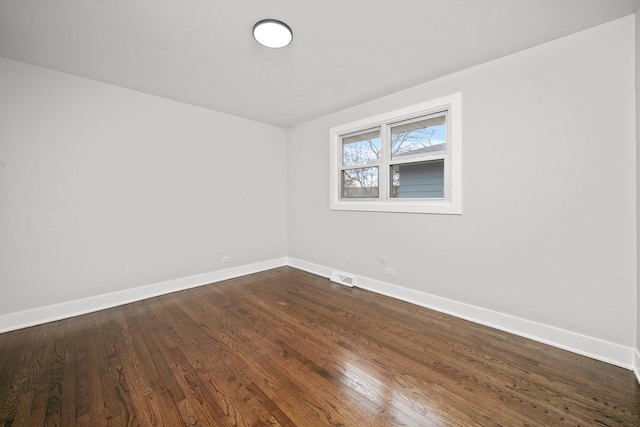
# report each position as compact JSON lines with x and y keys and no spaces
{"x":389,"y":272}
{"x":226,"y":259}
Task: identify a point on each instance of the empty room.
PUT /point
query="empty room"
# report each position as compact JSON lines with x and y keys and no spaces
{"x":319,"y":213}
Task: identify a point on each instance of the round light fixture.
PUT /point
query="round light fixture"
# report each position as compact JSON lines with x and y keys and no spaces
{"x":272,"y":33}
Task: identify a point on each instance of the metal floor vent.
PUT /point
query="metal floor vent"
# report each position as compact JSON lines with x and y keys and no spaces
{"x":343,"y":278}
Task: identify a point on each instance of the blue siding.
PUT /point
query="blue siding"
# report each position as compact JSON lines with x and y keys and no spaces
{"x":422,"y":180}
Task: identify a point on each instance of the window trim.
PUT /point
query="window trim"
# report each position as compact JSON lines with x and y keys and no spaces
{"x":451,"y":204}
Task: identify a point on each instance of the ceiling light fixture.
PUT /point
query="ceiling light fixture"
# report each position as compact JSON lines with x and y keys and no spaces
{"x":272,"y":33}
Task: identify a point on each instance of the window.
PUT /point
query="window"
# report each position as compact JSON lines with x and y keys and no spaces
{"x":407,"y":160}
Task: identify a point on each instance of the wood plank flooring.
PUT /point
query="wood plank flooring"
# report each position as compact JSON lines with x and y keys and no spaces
{"x":287,"y":348}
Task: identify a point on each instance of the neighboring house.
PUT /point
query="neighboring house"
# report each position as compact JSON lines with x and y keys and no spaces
{"x":421,"y":180}
{"x":414,"y":180}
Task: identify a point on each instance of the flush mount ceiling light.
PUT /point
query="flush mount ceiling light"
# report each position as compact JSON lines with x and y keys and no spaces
{"x":272,"y":33}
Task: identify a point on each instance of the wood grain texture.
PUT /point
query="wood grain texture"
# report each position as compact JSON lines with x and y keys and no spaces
{"x":287,"y":348}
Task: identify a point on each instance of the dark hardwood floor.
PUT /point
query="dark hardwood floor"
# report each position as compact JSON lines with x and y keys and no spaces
{"x":287,"y":348}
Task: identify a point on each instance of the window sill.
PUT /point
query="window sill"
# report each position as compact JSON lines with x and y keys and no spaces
{"x":442,"y":207}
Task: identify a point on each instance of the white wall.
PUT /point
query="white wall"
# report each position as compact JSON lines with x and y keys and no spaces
{"x":548,"y":231}
{"x":103,"y":189}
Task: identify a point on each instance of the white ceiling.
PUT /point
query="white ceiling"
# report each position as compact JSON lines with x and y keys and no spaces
{"x":344,"y":52}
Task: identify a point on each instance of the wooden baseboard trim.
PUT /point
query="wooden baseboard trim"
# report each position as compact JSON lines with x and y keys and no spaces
{"x":37,"y":316}
{"x":592,"y":347}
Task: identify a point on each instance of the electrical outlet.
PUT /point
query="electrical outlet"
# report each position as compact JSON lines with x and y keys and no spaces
{"x":389,"y":272}
{"x":226,"y":259}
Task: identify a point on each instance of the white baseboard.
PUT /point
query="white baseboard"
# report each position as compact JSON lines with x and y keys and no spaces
{"x":636,"y":364}
{"x":37,"y":316}
{"x":594,"y":348}
{"x":310,"y":267}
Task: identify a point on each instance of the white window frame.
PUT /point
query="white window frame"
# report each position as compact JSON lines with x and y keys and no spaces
{"x":452,"y":201}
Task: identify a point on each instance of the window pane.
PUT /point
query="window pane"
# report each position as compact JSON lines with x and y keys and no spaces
{"x":360,"y":183}
{"x":424,"y":137}
{"x":361,"y":149}
{"x":418,"y":180}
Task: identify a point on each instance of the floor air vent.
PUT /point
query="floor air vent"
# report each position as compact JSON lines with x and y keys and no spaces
{"x":343,"y":278}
